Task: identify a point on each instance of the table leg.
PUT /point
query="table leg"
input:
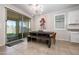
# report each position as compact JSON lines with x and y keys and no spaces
{"x":49,"y":43}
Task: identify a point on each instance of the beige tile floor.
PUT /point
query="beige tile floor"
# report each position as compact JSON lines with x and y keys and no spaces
{"x":37,"y":48}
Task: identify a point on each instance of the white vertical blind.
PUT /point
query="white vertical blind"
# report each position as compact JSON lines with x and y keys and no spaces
{"x":59,"y":21}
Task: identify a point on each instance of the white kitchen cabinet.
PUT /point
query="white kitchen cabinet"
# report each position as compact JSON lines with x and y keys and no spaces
{"x":75,"y":37}
{"x":73,"y":17}
{"x":73,"y":20}
{"x":73,"y":27}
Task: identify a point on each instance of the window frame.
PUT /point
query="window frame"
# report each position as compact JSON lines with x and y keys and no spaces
{"x":64,"y":21}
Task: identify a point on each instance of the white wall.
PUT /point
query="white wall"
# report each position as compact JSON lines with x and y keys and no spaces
{"x":3,"y":21}
{"x":32,"y":24}
{"x":61,"y":34}
{"x":2,"y":25}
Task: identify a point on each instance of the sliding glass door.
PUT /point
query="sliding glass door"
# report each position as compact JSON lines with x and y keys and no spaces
{"x":17,"y":26}
{"x":12,"y":25}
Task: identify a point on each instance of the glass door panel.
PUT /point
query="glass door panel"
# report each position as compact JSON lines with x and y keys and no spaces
{"x":25,"y":26}
{"x":11,"y":30}
{"x":20,"y":29}
{"x":13,"y":19}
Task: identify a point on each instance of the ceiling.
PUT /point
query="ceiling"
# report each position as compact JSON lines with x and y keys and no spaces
{"x":46,"y":7}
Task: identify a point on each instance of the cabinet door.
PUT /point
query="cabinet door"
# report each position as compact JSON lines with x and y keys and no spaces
{"x":73,"y":17}
{"x":75,"y":37}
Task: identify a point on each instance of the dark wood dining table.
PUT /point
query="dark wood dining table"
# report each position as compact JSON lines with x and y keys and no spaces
{"x":42,"y":35}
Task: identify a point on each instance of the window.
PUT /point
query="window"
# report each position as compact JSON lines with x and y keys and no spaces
{"x":60,"y":21}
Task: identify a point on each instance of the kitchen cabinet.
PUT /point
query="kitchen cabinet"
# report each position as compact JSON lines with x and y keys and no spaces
{"x":73,"y":17}
{"x":75,"y":37}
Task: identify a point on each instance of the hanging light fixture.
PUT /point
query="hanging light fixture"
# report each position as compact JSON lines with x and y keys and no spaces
{"x":38,"y":9}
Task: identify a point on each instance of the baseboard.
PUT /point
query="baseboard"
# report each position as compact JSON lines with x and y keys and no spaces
{"x":63,"y":39}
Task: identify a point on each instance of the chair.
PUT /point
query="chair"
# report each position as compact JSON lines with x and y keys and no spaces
{"x":53,"y":36}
